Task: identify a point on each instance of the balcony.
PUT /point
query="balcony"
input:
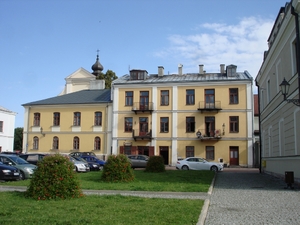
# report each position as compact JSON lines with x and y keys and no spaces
{"x":142,"y":136}
{"x":142,"y":107}
{"x":209,"y":107}
{"x":203,"y":135}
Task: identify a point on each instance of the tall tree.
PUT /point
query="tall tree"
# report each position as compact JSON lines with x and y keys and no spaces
{"x":109,"y":76}
{"x":18,"y":138}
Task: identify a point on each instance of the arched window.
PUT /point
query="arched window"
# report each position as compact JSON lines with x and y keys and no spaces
{"x":97,"y":143}
{"x":35,"y":143}
{"x":76,"y":143}
{"x":98,"y":118}
{"x":55,"y":143}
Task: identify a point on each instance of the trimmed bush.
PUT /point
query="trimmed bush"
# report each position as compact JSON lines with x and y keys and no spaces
{"x":155,"y":164}
{"x":54,"y":178}
{"x":117,"y":169}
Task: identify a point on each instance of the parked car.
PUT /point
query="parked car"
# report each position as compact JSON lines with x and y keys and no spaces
{"x":26,"y":169}
{"x":92,"y":165}
{"x":138,"y":161}
{"x":82,"y":153}
{"x":197,"y":163}
{"x":11,"y":153}
{"x":9,"y":173}
{"x":33,"y":158}
{"x":80,"y":166}
{"x":94,"y":159}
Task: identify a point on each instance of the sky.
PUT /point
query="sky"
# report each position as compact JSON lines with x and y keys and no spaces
{"x":44,"y":41}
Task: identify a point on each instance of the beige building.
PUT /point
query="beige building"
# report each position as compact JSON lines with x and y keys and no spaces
{"x":280,"y":115}
{"x":78,"y":119}
{"x":209,"y":115}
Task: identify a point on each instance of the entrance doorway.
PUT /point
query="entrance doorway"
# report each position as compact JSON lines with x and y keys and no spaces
{"x":164,"y":152}
{"x":234,"y":156}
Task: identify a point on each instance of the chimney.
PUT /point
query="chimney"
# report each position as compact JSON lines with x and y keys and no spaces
{"x":160,"y":71}
{"x":222,"y":68}
{"x":180,"y":69}
{"x":201,"y":69}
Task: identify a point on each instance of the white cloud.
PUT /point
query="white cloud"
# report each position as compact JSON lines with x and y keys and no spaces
{"x":242,"y":44}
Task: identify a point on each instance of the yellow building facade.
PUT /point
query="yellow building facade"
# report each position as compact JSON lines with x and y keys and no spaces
{"x":208,"y":115}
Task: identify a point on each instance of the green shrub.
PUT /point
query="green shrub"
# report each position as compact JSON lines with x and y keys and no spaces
{"x":54,"y":178}
{"x":117,"y":169}
{"x":155,"y":164}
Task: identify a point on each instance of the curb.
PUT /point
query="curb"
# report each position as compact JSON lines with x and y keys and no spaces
{"x":205,"y":207}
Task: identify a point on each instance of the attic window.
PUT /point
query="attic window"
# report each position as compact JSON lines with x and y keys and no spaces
{"x":138,"y":74}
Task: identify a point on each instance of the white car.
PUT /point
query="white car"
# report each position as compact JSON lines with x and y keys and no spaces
{"x":197,"y":163}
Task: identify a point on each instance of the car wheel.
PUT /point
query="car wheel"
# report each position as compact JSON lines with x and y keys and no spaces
{"x":22,"y":175}
{"x":100,"y":167}
{"x":76,"y":169}
{"x":185,"y":168}
{"x":214,"y":168}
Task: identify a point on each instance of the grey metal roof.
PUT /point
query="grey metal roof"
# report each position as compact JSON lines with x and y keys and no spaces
{"x":79,"y":97}
{"x":189,"y":77}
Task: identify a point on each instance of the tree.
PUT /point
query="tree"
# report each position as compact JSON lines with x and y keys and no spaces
{"x":109,"y":76}
{"x":18,"y":138}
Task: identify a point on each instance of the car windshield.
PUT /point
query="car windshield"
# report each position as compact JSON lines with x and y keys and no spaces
{"x":80,"y":159}
{"x":18,"y":160}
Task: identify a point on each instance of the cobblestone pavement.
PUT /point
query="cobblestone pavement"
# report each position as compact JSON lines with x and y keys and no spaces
{"x":248,"y":197}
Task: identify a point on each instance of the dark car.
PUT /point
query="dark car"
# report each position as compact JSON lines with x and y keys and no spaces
{"x":138,"y":161}
{"x":82,"y":154}
{"x":11,"y":153}
{"x":9,"y":173}
{"x":32,"y":158}
{"x":94,"y":159}
{"x":93,"y":166}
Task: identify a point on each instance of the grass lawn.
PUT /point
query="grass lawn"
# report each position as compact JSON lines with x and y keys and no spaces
{"x":112,"y":209}
{"x":171,"y":180}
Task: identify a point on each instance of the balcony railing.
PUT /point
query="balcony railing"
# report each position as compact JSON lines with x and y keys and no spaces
{"x":210,"y":107}
{"x":213,"y":135}
{"x":142,"y":107}
{"x":139,"y":135}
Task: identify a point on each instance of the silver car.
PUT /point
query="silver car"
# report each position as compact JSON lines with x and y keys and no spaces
{"x":26,"y":169}
{"x":79,"y":165}
{"x":197,"y":163}
{"x":138,"y":161}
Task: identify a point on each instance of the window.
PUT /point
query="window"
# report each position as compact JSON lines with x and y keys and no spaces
{"x":76,"y":143}
{"x":129,"y":98}
{"x":55,"y":143}
{"x":210,"y":153}
{"x":77,"y":116}
{"x":189,"y":151}
{"x":56,"y":119}
{"x":209,"y":98}
{"x":190,"y":124}
{"x":36,"y":119}
{"x":233,"y":96}
{"x":98,"y":118}
{"x":128,"y":124}
{"x":1,"y":126}
{"x":234,"y":124}
{"x":97,"y":144}
{"x":164,"y":97}
{"x":164,"y":124}
{"x":190,"y":97}
{"x":127,"y":150}
{"x":35,"y":143}
{"x":138,"y":74}
{"x":144,"y":100}
{"x":295,"y":57}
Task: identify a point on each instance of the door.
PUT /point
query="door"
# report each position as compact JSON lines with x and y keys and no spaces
{"x":210,"y":126}
{"x":210,"y":98}
{"x":143,"y":126}
{"x":164,"y":152}
{"x":234,"y":156}
{"x":144,"y":100}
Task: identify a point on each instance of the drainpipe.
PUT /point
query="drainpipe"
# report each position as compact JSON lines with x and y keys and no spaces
{"x":298,"y":45}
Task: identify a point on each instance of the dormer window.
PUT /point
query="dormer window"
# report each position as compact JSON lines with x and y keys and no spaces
{"x":138,"y":74}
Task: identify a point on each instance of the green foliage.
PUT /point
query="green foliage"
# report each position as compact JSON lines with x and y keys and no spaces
{"x":109,"y":76}
{"x":54,"y":178}
{"x":155,"y":164}
{"x":117,"y":169}
{"x":18,"y":138}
